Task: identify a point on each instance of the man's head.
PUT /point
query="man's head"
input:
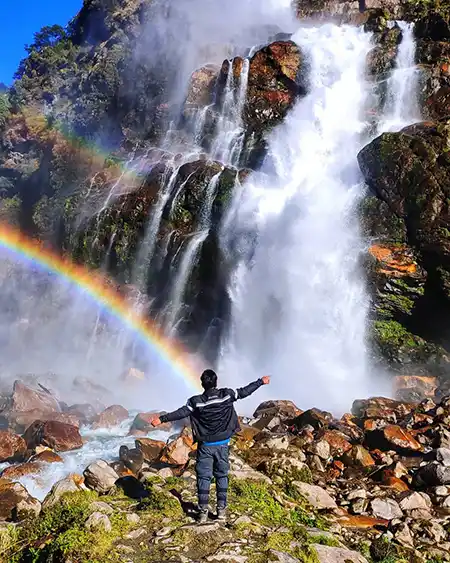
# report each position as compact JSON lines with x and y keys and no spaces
{"x":209,"y":379}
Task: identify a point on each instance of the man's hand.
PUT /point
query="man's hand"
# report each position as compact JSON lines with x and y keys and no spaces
{"x":265,"y":379}
{"x":155,"y":420}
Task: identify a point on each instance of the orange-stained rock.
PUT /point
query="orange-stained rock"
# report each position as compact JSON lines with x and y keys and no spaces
{"x":395,"y":261}
{"x":20,"y":421}
{"x":283,"y":409}
{"x":372,"y":424}
{"x":16,"y":471}
{"x":201,"y":87}
{"x":12,"y":446}
{"x":247,"y":433}
{"x":112,"y":416}
{"x":337,"y":441}
{"x":389,"y":480}
{"x":177,"y":452}
{"x":338,"y":465}
{"x":400,"y":438}
{"x":361,"y":522}
{"x":121,"y":469}
{"x":151,"y":449}
{"x":358,"y":456}
{"x":381,"y":407}
{"x":47,"y":456}
{"x":314,"y":417}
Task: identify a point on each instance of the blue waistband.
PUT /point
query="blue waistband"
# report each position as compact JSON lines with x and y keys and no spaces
{"x":221,"y":443}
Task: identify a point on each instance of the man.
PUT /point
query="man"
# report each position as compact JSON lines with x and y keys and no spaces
{"x":214,"y":421}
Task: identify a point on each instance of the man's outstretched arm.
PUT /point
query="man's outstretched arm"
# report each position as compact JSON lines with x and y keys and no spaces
{"x":182,"y":412}
{"x":246,"y":391}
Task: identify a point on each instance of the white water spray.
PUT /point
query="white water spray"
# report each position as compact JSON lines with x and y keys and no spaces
{"x":402,"y":106}
{"x":298,"y":300}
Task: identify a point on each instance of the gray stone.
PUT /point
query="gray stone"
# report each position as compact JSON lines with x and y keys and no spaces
{"x":316,"y":496}
{"x":321,"y":449}
{"x":133,"y":518}
{"x":281,"y":557}
{"x":327,"y":554}
{"x":357,"y":494}
{"x":443,"y":456}
{"x":100,"y":477}
{"x":404,"y":536}
{"x":100,"y":506}
{"x":98,"y":521}
{"x":67,"y":485}
{"x":386,"y":508}
{"x":415,"y":500}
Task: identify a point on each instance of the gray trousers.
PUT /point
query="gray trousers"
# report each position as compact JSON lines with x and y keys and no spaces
{"x":212,"y":461}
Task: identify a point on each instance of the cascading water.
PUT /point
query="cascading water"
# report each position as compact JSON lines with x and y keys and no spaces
{"x":401,"y":106}
{"x":189,"y":257}
{"x":298,"y":300}
{"x":228,"y":142}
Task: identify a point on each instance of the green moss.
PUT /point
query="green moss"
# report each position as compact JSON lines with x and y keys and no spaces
{"x":162,"y":502}
{"x":326,"y":540}
{"x":256,"y":499}
{"x":391,"y":334}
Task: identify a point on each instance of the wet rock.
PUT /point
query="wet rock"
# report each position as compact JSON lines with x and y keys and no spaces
{"x":20,"y":421}
{"x":16,"y":503}
{"x":26,"y":399}
{"x":100,"y":477}
{"x":58,"y":436}
{"x":327,"y":554}
{"x":98,"y":521}
{"x":121,"y":469}
{"x":387,"y":509}
{"x":112,"y":416}
{"x":84,"y":412}
{"x":316,"y":496}
{"x":12,"y":447}
{"x":14,"y":472}
{"x":151,"y":449}
{"x":132,"y":458}
{"x":201,"y":87}
{"x":46,"y":456}
{"x":420,"y":385}
{"x":381,"y":407}
{"x":71,"y":484}
{"x":142,"y":424}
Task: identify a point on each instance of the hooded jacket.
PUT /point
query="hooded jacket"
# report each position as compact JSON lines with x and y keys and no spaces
{"x":212,"y":414}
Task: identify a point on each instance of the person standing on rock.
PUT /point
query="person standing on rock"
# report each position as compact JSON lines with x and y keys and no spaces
{"x":214,"y":421}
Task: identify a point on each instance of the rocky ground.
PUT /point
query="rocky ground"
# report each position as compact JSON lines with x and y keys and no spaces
{"x":371,"y":486}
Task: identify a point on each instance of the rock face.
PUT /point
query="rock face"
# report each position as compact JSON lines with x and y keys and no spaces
{"x":56,"y":435}
{"x":12,"y":447}
{"x":151,"y":449}
{"x":26,"y":399}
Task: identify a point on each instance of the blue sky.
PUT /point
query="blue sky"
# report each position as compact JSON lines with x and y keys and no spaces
{"x":20,"y":19}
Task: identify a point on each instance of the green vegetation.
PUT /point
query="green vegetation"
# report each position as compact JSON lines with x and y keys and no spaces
{"x":5,"y":108}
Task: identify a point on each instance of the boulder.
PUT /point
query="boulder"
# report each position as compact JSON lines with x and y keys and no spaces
{"x":100,"y":477}
{"x":178,"y":450}
{"x":12,"y":447}
{"x":415,"y":501}
{"x":317,"y":497}
{"x":14,"y":472}
{"x":98,"y":521}
{"x":141,"y":424}
{"x":26,"y":399}
{"x":71,"y":484}
{"x":46,"y":456}
{"x":112,"y":416}
{"x":286,"y":410}
{"x":431,"y":475}
{"x":313,"y":417}
{"x":328,"y":554}
{"x":381,"y":407}
{"x":16,"y":503}
{"x":132,"y":458}
{"x":84,"y":412}
{"x":358,"y":456}
{"x":386,"y":508}
{"x":337,"y":441}
{"x":400,"y":439}
{"x":58,"y":436}
{"x":151,"y":449}
{"x":20,"y":421}
{"x":201,"y":87}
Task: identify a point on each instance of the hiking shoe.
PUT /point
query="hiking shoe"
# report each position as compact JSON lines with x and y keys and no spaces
{"x":221,"y":514}
{"x":203,"y":517}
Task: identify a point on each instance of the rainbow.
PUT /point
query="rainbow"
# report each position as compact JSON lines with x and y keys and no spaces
{"x":98,"y":288}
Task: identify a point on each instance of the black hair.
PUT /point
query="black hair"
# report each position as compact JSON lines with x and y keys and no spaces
{"x":209,"y":379}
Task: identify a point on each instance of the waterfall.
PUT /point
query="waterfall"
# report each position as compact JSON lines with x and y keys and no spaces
{"x":299,"y":303}
{"x":228,"y":142}
{"x":401,"y":106}
{"x":189,"y":258}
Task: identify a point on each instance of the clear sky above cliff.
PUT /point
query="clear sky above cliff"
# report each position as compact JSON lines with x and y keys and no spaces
{"x":20,"y":19}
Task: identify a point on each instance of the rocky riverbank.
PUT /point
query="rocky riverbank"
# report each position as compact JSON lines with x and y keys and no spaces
{"x":371,"y":486}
